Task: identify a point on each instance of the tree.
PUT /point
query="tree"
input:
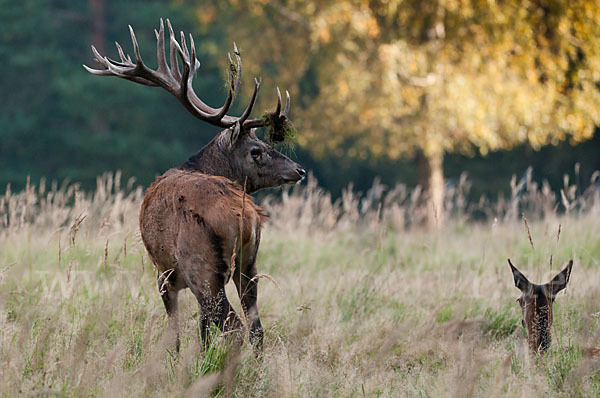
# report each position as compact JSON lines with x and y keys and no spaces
{"x":411,"y":77}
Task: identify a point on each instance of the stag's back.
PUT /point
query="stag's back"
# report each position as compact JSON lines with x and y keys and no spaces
{"x":186,"y":206}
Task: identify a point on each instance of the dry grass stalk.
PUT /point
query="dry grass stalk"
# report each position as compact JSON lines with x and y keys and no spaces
{"x":269,"y":277}
{"x":107,"y":340}
{"x":69,"y":270}
{"x":59,"y":251}
{"x":232,"y":260}
{"x":303,"y":307}
{"x":4,"y":270}
{"x":106,"y":256}
{"x":75,"y":227}
{"x":240,"y":240}
{"x":116,"y":258}
{"x":528,"y":231}
{"x":166,"y":274}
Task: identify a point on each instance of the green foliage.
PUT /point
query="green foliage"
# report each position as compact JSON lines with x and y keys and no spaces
{"x":560,"y":364}
{"x":501,"y":324}
{"x":214,"y":359}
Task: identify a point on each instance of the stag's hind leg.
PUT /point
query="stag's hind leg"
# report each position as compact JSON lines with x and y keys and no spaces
{"x":214,"y":307}
{"x":169,"y":284}
{"x":206,"y":270}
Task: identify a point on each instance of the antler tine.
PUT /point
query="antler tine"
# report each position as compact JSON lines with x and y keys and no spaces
{"x":173,"y":53}
{"x":136,"y":48}
{"x":248,"y":110}
{"x":124,"y":59}
{"x":195,"y":104}
{"x":184,"y":45}
{"x":286,"y":110}
{"x":194,"y":63}
{"x":100,"y":59}
{"x":278,"y":109}
{"x":160,"y":50}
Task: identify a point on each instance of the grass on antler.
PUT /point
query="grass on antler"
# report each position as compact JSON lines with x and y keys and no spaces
{"x":280,"y":130}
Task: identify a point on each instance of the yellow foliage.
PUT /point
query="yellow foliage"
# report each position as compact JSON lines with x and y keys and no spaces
{"x":394,"y":76}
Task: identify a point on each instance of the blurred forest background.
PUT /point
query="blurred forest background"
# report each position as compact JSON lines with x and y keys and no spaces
{"x":411,"y":91}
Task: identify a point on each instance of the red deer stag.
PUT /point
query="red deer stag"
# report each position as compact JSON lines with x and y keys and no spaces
{"x":196,"y":219}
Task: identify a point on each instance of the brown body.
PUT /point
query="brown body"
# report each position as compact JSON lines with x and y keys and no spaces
{"x":198,"y":224}
{"x":191,"y":224}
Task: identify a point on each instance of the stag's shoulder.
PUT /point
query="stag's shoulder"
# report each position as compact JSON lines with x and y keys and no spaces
{"x":182,"y":181}
{"x":202,"y":193}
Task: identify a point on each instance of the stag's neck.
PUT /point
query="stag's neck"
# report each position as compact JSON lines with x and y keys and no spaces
{"x":211,"y":160}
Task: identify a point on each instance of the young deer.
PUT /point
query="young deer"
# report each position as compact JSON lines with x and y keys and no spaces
{"x":197,"y":223}
{"x":536,"y":304}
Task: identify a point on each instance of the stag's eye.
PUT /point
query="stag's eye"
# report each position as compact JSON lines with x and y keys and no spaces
{"x":255,"y":153}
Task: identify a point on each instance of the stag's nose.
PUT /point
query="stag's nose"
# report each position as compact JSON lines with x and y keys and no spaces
{"x":301,"y":172}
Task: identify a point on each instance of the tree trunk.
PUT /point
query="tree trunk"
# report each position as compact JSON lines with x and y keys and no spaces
{"x":430,"y":168}
{"x":98,"y":24}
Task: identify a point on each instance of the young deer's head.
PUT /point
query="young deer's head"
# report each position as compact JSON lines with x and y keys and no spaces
{"x":536,"y":304}
{"x":236,"y":152}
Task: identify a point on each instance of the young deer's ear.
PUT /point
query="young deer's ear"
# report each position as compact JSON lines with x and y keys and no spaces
{"x":560,"y":280}
{"x":520,"y":281}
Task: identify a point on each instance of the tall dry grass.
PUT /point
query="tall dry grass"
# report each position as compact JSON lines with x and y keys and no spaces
{"x":366,"y":302}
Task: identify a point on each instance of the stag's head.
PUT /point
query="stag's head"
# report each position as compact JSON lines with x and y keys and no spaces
{"x":236,"y":152}
{"x":536,"y":304}
{"x":255,"y":163}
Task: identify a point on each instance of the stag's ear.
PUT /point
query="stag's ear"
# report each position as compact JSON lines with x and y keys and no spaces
{"x":520,"y":281}
{"x":235,"y":133}
{"x":560,"y":280}
{"x":228,"y":139}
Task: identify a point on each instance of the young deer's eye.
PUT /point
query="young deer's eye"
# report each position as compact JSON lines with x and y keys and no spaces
{"x":255,"y":153}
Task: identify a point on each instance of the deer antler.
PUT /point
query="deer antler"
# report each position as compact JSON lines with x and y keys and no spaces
{"x":179,"y":81}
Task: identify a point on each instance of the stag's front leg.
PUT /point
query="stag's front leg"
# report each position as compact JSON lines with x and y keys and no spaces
{"x":247,"y":288}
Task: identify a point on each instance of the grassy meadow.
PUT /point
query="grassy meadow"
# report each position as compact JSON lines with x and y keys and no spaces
{"x":358,"y":299}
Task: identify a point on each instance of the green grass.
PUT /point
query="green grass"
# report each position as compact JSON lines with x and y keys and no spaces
{"x":360,"y":308}
{"x":502,"y":323}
